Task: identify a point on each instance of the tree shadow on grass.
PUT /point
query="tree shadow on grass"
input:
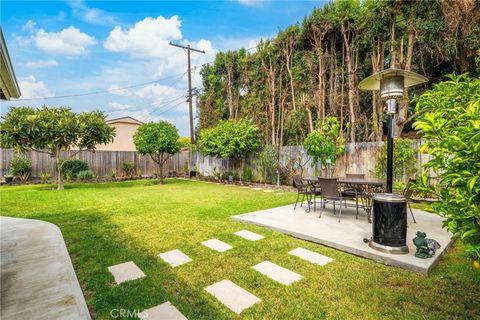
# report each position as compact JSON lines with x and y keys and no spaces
{"x":95,"y":243}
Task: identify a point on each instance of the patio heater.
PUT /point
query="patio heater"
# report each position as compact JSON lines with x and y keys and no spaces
{"x":389,"y":224}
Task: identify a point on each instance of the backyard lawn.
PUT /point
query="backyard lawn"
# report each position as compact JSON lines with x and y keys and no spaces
{"x":111,"y":223}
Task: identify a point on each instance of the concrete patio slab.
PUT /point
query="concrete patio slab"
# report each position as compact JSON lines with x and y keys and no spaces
{"x":36,"y":274}
{"x":164,"y":311}
{"x":311,"y":256}
{"x":126,"y":272}
{"x":277,"y":273}
{"x":248,"y":235}
{"x":175,"y":258}
{"x":348,"y":235}
{"x":217,"y":245}
{"x":232,"y":296}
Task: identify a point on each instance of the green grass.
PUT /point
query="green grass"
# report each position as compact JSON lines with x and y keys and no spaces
{"x":107,"y":224}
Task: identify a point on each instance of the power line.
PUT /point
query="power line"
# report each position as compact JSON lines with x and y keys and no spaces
{"x":98,"y":92}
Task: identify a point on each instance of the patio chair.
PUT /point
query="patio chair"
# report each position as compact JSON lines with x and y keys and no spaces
{"x":354,"y":192}
{"x":407,"y":193}
{"x":305,"y":190}
{"x":331,"y":192}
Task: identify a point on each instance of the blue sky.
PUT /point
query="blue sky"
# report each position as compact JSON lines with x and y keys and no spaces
{"x":75,"y":47}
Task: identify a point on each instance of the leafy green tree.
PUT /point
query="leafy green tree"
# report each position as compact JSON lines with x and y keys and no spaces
{"x":450,"y":122}
{"x":325,"y":143}
{"x":52,"y":130}
{"x":158,"y":140}
{"x":230,"y":139}
{"x":404,"y":160}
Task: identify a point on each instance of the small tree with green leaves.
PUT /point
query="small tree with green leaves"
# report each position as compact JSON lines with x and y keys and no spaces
{"x":159,"y":140}
{"x":404,"y":161}
{"x":230,"y":139}
{"x":325,"y":143}
{"x":449,"y":119}
{"x":52,"y":130}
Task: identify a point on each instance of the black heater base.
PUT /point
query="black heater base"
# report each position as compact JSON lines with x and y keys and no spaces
{"x":389,"y":224}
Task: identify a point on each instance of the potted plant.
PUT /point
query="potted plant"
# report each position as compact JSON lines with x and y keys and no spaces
{"x":8,"y":178}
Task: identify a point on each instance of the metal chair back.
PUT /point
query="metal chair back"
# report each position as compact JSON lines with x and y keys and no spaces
{"x":298,"y":183}
{"x":329,"y":187}
{"x":407,"y":193}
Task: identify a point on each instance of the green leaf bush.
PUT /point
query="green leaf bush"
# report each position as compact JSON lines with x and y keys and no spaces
{"x":230,"y":139}
{"x":404,"y":161}
{"x":449,"y":119}
{"x":71,"y":167}
{"x":128,"y":168}
{"x":20,"y":167}
{"x":86,"y":175}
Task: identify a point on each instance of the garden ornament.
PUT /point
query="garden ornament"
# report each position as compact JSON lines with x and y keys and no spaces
{"x":425,"y":247}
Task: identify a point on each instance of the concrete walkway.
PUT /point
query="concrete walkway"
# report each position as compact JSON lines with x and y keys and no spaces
{"x":37,"y":276}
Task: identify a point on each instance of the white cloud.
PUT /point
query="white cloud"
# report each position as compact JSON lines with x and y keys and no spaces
{"x":39,"y":64}
{"x":149,"y":37}
{"x":69,"y":41}
{"x":120,"y":106}
{"x":250,"y":3}
{"x":31,"y":88}
{"x":92,"y":15}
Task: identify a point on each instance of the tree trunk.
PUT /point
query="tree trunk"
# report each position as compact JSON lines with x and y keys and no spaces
{"x":60,"y":176}
{"x":402,"y":116}
{"x":351,"y":82}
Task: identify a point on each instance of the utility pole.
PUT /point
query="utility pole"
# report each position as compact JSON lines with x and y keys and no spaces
{"x":190,"y":108}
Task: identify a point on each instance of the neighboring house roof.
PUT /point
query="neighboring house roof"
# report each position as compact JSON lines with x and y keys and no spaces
{"x":124,"y":120}
{"x":8,"y":82}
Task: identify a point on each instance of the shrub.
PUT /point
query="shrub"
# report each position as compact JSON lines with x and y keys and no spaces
{"x":230,"y":139}
{"x":450,"y":122}
{"x":247,"y":174}
{"x":268,"y":164}
{"x":71,"y":168}
{"x":20,"y":167}
{"x":85,"y":175}
{"x":404,"y":161}
{"x":45,"y":177}
{"x":128,"y":168}
{"x":113,"y":173}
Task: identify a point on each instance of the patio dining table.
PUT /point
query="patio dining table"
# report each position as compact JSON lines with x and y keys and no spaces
{"x":365,"y":188}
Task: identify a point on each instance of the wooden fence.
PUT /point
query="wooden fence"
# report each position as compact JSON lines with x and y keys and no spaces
{"x":358,"y":158}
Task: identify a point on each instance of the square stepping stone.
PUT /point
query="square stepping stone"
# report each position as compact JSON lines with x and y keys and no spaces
{"x":248,"y":235}
{"x":162,"y":312}
{"x":232,"y":296}
{"x":256,"y":189}
{"x":279,"y":193}
{"x":277,"y":273}
{"x":125,"y":272}
{"x":217,"y":245}
{"x":244,"y":187}
{"x":268,"y":190}
{"x":175,"y":258}
{"x":311,"y":256}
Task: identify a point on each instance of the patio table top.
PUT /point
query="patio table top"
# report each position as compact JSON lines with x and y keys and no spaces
{"x":368,"y":181}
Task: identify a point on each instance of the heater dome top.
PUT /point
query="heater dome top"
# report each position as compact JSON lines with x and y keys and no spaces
{"x":372,"y":83}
